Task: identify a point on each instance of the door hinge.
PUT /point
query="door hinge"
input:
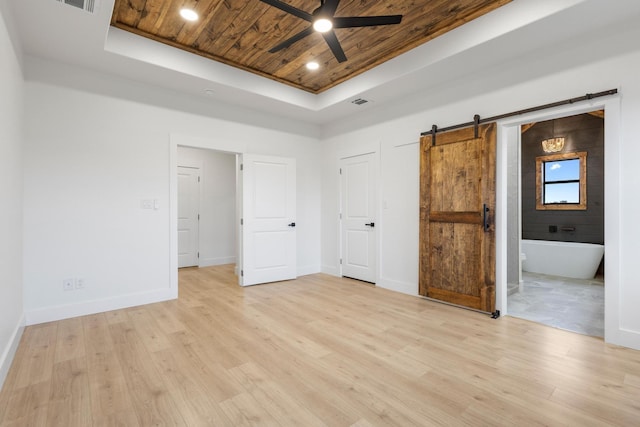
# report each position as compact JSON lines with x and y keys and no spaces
{"x":198,"y":217}
{"x":340,"y":171}
{"x":241,"y":166}
{"x":340,"y":215}
{"x":340,"y":261}
{"x":241,"y":273}
{"x":198,"y":179}
{"x":241,"y":221}
{"x":198,"y":255}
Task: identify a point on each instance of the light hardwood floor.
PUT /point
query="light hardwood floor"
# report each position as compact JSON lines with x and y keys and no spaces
{"x":317,"y":351}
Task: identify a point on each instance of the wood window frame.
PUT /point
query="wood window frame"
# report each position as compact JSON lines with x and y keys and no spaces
{"x":540,"y":161}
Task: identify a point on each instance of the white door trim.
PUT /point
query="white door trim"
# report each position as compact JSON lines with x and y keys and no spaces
{"x":613,"y":331}
{"x":175,"y":140}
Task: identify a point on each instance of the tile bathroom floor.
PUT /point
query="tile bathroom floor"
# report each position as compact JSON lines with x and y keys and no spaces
{"x":565,"y":303}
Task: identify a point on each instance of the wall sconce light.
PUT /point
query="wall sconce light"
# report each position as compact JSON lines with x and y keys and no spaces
{"x":553,"y":145}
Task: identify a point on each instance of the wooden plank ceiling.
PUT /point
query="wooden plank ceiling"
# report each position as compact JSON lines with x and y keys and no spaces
{"x":241,"y":32}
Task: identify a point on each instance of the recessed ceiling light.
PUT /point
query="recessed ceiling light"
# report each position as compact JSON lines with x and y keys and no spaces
{"x":188,"y":14}
{"x":209,"y":92}
{"x":322,"y":25}
{"x":313,"y":65}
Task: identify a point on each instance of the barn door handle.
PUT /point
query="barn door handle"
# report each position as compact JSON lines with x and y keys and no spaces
{"x":485,"y":217}
{"x":371,"y":224}
{"x":293,"y":224}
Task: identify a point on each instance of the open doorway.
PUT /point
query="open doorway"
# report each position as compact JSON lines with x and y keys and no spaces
{"x":557,"y":275}
{"x":207,"y":206}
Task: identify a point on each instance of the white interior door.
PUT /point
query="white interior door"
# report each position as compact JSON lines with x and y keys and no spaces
{"x":358,"y":217}
{"x":188,"y":215}
{"x":269,"y":216}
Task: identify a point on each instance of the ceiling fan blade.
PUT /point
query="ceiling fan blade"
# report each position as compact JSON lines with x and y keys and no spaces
{"x":291,"y":40}
{"x":334,"y":45}
{"x":330,"y":6}
{"x":366,"y":21}
{"x":289,"y":9}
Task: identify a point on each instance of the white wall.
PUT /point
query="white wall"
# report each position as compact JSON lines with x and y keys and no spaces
{"x":95,"y":145}
{"x":526,"y":82}
{"x":217,"y":237}
{"x":90,"y":159}
{"x":11,"y":117}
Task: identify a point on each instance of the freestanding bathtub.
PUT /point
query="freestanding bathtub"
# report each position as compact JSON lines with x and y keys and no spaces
{"x":565,"y":259}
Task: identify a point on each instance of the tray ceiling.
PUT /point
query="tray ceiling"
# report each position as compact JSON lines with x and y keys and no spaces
{"x":241,"y":32}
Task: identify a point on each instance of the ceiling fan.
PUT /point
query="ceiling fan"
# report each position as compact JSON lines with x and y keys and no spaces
{"x":324,"y":21}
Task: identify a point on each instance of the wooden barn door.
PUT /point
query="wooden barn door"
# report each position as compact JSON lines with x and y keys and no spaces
{"x":457,"y":212}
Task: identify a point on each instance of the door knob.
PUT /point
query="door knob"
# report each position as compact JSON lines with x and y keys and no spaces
{"x":293,"y":224}
{"x":371,"y":224}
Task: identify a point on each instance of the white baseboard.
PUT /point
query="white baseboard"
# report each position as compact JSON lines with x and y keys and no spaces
{"x":308,"y":269}
{"x":623,"y":337}
{"x":330,"y":269}
{"x":10,"y":350}
{"x":394,"y":285}
{"x":210,"y":262}
{"x":59,"y":312}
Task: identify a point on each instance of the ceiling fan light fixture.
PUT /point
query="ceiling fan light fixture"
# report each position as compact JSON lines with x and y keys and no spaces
{"x":189,"y":14}
{"x":313,"y":65}
{"x":322,"y":25}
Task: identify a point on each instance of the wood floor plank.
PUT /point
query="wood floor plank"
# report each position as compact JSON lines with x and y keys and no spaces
{"x":27,"y":405}
{"x":126,"y":418}
{"x":316,"y":351}
{"x":149,"y":393}
{"x":70,"y":340}
{"x":37,"y":360}
{"x":287,"y":409}
{"x":69,"y":398}
{"x":152,"y":335}
{"x":242,"y":410}
{"x":108,"y":389}
{"x":192,"y":387}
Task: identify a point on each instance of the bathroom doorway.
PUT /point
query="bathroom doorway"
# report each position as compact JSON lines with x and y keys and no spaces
{"x":558,"y":277}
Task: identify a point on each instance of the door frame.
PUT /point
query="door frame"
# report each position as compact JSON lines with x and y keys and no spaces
{"x":360,"y":149}
{"x":509,"y":134}
{"x":183,"y":140}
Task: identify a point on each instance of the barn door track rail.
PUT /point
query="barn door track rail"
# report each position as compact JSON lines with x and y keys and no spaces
{"x":477,"y":120}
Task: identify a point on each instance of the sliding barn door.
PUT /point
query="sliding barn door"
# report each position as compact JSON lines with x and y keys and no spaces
{"x":457,"y":211}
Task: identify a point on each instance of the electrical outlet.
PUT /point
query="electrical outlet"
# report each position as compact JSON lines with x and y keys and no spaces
{"x":80,"y":283}
{"x":68,"y":284}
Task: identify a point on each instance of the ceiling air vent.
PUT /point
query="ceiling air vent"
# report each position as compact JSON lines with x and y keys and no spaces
{"x":359,"y":101}
{"x":90,"y":6}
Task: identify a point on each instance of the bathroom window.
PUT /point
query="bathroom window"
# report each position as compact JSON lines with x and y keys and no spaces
{"x":561,"y":181}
